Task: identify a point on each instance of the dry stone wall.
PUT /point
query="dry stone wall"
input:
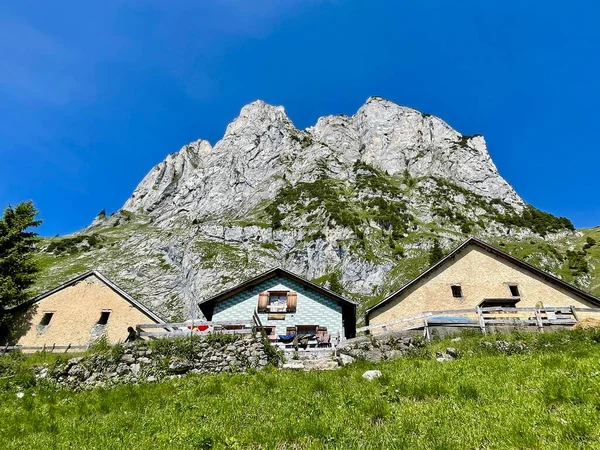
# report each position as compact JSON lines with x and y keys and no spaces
{"x":144,"y":362}
{"x":377,"y":348}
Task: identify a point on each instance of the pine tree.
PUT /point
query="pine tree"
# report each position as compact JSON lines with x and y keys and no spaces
{"x":435,"y":253}
{"x":17,"y":267}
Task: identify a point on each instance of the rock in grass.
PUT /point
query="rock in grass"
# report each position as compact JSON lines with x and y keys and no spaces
{"x":372,"y":355}
{"x":321,"y":364}
{"x":452,"y":352}
{"x":371,"y":374}
{"x":294,"y":365}
{"x":345,"y":359}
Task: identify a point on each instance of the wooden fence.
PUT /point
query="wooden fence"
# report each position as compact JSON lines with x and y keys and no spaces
{"x":44,"y":348}
{"x":483,"y":318}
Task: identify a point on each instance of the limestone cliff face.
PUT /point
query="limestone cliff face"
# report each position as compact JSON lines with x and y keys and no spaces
{"x":351,"y":202}
{"x":262,"y":148}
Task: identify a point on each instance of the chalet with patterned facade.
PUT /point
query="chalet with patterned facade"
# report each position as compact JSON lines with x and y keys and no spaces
{"x":286,"y":304}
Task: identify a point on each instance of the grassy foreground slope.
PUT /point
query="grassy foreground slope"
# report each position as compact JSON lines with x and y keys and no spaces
{"x":544,"y":394}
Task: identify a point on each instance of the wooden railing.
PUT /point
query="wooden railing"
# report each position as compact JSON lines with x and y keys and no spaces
{"x":483,"y":318}
{"x":42,"y":348}
{"x":190,"y":328}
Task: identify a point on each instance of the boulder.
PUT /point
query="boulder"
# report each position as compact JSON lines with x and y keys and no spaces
{"x":179,"y":366}
{"x":294,"y":364}
{"x":345,"y":359}
{"x":371,"y":374}
{"x":452,"y":352}
{"x":135,"y":368}
{"x":77,"y":371}
{"x":122,"y":369}
{"x":321,"y":364}
{"x":73,"y":361}
{"x":373,"y":355}
{"x":128,"y":358}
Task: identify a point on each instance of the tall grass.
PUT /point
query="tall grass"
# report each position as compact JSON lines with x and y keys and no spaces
{"x":547,"y":396}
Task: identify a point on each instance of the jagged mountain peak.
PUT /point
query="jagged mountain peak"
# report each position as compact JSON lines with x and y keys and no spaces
{"x":262,"y":147}
{"x":256,"y":116}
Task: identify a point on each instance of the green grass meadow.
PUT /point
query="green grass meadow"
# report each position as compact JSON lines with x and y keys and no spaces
{"x":547,"y":396}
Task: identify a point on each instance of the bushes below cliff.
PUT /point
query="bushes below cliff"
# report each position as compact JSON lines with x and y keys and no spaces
{"x":74,"y":244}
{"x":539,"y":222}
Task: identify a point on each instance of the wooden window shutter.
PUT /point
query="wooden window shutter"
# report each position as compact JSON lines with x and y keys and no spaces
{"x":263,"y":301}
{"x":292,"y":301}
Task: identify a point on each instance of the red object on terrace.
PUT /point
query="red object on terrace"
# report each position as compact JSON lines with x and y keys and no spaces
{"x":198,"y":327}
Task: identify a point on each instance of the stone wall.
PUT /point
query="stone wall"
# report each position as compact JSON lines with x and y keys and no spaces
{"x":150,"y":362}
{"x":380,"y":347}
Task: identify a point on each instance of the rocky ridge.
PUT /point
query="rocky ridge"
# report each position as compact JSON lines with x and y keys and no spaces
{"x":352,"y":202}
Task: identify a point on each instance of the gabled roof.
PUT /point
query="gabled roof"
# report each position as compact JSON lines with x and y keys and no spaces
{"x":278,"y":271}
{"x":487,"y":247}
{"x":101,"y":277}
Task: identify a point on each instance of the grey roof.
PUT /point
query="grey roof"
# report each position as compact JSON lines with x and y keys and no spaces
{"x":109,"y":283}
{"x":474,"y":241}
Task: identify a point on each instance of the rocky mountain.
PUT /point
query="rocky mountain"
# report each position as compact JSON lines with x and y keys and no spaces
{"x":351,"y":202}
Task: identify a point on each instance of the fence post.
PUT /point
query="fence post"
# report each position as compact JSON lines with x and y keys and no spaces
{"x":481,"y":320}
{"x":538,"y":318}
{"x":427,"y":335}
{"x":574,"y":312}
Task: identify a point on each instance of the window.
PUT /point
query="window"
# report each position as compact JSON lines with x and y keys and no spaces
{"x":457,"y":291}
{"x":103,"y":320}
{"x":46,"y":319}
{"x":269,"y":331}
{"x":307,"y":329}
{"x":278,"y":301}
{"x":514,"y":290}
{"x":499,"y":302}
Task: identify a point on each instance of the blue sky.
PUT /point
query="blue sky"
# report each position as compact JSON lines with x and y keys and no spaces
{"x":93,"y":94}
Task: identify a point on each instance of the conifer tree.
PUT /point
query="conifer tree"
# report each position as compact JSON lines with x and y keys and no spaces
{"x":17,"y":267}
{"x":435,"y":253}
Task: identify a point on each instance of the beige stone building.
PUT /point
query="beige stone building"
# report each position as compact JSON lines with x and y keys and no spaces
{"x":78,"y":312}
{"x":477,"y":274}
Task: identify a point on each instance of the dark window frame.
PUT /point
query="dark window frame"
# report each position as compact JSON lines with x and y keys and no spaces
{"x":456,"y":291}
{"x":46,"y":318}
{"x":307,"y":329}
{"x":270,"y":330}
{"x":104,"y":317}
{"x":514,"y":288}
